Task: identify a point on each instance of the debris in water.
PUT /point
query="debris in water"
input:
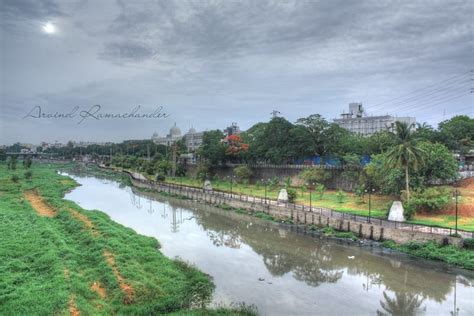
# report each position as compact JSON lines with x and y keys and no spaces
{"x":261,"y":279}
{"x":350,"y":257}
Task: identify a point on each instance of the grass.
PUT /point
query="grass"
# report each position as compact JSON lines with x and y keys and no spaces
{"x":50,"y":265}
{"x":446,"y":217}
{"x":456,"y":256}
{"x":380,"y":204}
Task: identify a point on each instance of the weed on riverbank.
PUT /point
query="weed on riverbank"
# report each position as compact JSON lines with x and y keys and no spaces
{"x":447,"y":253}
{"x":76,"y":261}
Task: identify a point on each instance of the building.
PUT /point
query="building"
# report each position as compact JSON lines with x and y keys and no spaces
{"x":192,"y":139}
{"x":358,"y":122}
{"x":232,"y":129}
{"x":173,"y":136}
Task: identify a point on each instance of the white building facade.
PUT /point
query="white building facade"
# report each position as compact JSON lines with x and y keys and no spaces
{"x":358,"y":122}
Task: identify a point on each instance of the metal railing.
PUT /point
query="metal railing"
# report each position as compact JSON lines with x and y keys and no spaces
{"x":196,"y":192}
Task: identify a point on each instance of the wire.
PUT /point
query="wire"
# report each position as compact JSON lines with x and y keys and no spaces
{"x":422,"y":89}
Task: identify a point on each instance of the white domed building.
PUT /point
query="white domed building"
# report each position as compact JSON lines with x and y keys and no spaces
{"x":192,"y":139}
{"x":173,"y":136}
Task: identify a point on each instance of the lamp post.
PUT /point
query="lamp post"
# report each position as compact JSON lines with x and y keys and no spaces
{"x":265,"y":184}
{"x":310,"y":197}
{"x":370,"y":191}
{"x":231,"y":180}
{"x":456,"y":195}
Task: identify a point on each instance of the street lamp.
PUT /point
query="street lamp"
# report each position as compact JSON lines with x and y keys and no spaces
{"x":456,"y":195}
{"x":370,"y":202}
{"x":310,"y":197}
{"x":265,"y":184}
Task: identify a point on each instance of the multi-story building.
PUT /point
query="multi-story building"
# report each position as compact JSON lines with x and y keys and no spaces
{"x":358,"y":122}
{"x":192,"y":139}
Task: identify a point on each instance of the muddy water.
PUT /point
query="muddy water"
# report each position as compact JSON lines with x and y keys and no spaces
{"x":280,"y":271}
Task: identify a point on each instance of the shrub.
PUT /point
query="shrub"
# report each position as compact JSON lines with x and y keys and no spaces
{"x":273,"y":182}
{"x":28,"y":175}
{"x":359,"y":193}
{"x":468,"y":243}
{"x":320,"y":189}
{"x":243,"y":173}
{"x":160,"y":177}
{"x":314,"y":175}
{"x":429,"y":200}
{"x":15,"y":178}
{"x":203,"y":172}
{"x":291,"y":195}
{"x":340,"y":195}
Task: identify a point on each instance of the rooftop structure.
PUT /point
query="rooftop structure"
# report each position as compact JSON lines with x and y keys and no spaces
{"x":358,"y":122}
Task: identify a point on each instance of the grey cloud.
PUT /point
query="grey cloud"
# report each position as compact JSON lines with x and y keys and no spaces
{"x":127,"y":50}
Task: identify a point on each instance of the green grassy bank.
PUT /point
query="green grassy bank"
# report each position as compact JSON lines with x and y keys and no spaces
{"x":81,"y":262}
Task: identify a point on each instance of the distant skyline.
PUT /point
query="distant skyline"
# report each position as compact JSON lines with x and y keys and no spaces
{"x":211,"y":63}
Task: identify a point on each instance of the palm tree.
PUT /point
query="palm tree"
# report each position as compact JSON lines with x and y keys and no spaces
{"x":405,"y":154}
{"x":402,"y":304}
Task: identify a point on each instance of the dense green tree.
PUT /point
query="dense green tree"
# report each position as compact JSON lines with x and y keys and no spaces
{"x":439,"y":163}
{"x":273,"y":143}
{"x":457,"y":133}
{"x":406,"y":153}
{"x":212,"y":148}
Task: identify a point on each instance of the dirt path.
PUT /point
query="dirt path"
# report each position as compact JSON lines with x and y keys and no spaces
{"x":85,"y":220}
{"x":73,"y":311}
{"x":38,"y":204}
{"x":126,"y":289}
{"x":99,"y":289}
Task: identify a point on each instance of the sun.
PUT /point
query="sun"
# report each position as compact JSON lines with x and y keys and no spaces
{"x":49,"y":28}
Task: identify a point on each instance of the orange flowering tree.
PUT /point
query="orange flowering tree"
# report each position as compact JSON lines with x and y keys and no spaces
{"x":235,"y":146}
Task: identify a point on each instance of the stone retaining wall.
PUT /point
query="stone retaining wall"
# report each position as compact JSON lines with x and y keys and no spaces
{"x":298,"y":216}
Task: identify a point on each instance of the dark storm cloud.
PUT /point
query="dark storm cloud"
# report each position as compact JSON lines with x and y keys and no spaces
{"x":213,"y":62}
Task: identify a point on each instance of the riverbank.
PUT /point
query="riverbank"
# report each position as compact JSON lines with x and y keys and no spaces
{"x":61,"y":259}
{"x":421,"y":244}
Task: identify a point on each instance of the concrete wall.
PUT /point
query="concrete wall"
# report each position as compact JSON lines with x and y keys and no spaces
{"x":363,"y":230}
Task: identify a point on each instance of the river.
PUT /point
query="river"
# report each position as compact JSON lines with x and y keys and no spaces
{"x":280,"y":271}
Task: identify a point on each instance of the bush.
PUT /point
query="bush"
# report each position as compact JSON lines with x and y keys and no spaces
{"x":243,"y":173}
{"x":28,"y":175}
{"x":160,"y":177}
{"x":203,"y":172}
{"x":468,"y":243}
{"x":291,"y":195}
{"x":320,"y":189}
{"x":340,"y":195}
{"x":428,"y":200}
{"x":15,"y":178}
{"x":314,"y":175}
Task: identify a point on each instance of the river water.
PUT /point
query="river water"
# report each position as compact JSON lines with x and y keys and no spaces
{"x":282,"y":272}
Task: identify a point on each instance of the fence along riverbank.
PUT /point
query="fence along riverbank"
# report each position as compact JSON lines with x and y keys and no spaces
{"x":362,"y":226}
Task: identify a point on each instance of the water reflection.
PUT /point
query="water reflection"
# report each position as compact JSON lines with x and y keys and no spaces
{"x":281,"y":271}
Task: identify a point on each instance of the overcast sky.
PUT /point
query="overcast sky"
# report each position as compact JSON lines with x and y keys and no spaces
{"x":210,"y":63}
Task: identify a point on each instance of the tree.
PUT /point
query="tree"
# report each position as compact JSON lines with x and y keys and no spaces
{"x":439,"y":163}
{"x":212,"y":148}
{"x":27,"y":162}
{"x":243,"y":173}
{"x":234,"y":146}
{"x":406,"y":153}
{"x":273,"y":144}
{"x":314,"y":175}
{"x":457,"y":133}
{"x":12,"y":162}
